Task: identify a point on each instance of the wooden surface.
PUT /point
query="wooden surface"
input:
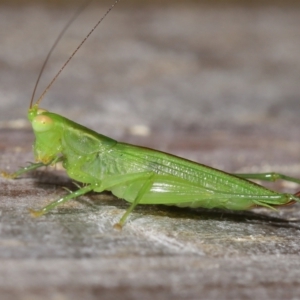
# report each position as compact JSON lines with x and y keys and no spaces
{"x":219,"y":85}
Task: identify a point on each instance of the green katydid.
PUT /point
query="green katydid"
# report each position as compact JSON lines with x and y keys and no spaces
{"x":138,"y":175}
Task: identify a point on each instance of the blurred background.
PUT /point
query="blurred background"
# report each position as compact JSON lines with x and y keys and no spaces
{"x":185,"y":2}
{"x":214,"y":81}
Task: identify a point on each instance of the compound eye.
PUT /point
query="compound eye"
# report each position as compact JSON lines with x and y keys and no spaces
{"x":42,"y":123}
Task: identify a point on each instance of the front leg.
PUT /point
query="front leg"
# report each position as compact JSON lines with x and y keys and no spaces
{"x":31,"y":167}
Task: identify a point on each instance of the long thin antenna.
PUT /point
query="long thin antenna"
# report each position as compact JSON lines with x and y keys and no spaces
{"x":73,"y":54}
{"x":77,"y":13}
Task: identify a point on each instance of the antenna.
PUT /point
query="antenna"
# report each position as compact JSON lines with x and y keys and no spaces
{"x":74,"y":52}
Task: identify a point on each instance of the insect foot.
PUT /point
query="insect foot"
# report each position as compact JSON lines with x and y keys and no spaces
{"x":35,"y":213}
{"x":8,"y":175}
{"x":118,"y":226}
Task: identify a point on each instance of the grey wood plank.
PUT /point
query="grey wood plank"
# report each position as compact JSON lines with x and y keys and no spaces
{"x":218,"y":85}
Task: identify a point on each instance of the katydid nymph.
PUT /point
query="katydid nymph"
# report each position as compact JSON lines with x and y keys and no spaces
{"x":136,"y":174}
